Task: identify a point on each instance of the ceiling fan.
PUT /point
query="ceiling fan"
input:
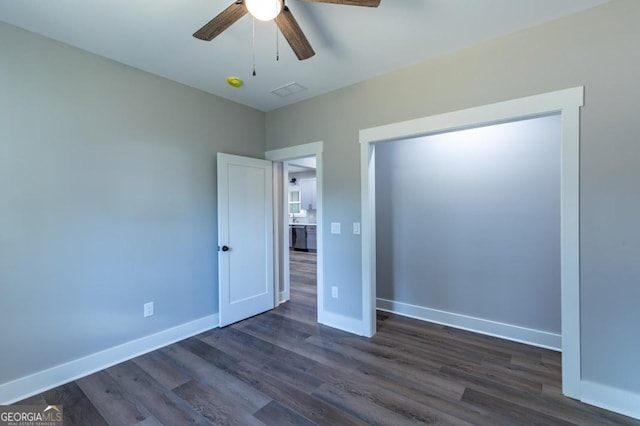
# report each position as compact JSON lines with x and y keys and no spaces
{"x":275,"y":10}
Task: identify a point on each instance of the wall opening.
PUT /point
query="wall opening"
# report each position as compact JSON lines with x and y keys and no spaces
{"x":281,"y":158}
{"x":468,"y":229}
{"x":301,"y":257}
{"x":567,"y":104}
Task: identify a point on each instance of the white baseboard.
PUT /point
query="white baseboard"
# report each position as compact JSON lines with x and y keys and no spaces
{"x":610,"y":398}
{"x":492,"y":328}
{"x":41,"y":381}
{"x":341,"y":322}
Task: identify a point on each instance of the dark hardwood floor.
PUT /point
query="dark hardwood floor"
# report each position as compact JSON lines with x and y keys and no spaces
{"x":281,"y":368}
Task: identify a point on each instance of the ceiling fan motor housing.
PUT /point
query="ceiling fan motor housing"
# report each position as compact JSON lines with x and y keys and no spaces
{"x":267,"y":10}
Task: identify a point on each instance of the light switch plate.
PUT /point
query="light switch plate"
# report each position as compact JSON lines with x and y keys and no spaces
{"x":356,"y":228}
{"x":148,"y":309}
{"x":335,"y":227}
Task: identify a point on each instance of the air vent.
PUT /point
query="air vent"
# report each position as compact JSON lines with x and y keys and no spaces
{"x":288,"y":90}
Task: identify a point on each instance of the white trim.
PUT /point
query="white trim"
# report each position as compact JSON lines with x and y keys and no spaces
{"x":567,"y":102}
{"x":530,"y":106}
{"x":341,"y":322}
{"x":41,"y":381}
{"x":283,"y":241}
{"x":570,"y":251}
{"x":284,"y":296}
{"x":290,"y":153}
{"x":515,"y":333}
{"x":612,"y":399}
{"x":277,"y":230}
{"x":368,"y":236}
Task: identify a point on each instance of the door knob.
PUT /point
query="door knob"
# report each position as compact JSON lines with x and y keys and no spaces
{"x":225,"y":248}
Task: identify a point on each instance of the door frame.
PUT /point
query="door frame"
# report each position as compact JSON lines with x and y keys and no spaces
{"x":566,"y":102}
{"x":282,"y":221}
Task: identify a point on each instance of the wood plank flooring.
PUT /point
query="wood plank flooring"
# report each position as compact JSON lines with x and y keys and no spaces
{"x":281,"y":368}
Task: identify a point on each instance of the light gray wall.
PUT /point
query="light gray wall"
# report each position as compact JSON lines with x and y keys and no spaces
{"x":598,"y":49}
{"x":107,"y":200}
{"x":299,"y":176}
{"x":469,"y":222}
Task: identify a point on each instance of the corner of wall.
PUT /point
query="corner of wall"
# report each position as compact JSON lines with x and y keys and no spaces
{"x":610,"y":398}
{"x":514,"y":333}
{"x":41,"y":381}
{"x":341,"y":322}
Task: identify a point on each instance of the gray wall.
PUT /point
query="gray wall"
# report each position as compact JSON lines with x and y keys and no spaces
{"x":468,"y":222}
{"x":107,"y":200}
{"x":598,"y":49}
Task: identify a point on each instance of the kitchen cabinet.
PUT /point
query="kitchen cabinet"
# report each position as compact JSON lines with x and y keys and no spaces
{"x":308,"y":194}
{"x":302,"y":237}
{"x":290,"y":237}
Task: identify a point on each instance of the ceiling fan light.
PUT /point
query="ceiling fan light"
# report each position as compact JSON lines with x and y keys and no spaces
{"x":264,"y":10}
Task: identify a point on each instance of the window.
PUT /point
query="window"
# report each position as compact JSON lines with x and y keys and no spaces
{"x":294,"y":202}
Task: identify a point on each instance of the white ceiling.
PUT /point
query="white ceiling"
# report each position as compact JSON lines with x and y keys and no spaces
{"x":352,"y":44}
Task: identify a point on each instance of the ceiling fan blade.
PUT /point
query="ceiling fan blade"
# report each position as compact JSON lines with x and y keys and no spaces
{"x":367,"y":3}
{"x":221,"y":22}
{"x":293,"y":34}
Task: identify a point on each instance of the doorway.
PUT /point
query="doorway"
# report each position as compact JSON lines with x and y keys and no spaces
{"x":565,"y":102}
{"x":305,"y":258}
{"x":468,"y":229}
{"x":300,"y":286}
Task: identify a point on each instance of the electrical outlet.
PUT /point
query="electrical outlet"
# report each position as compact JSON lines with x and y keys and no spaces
{"x":334,"y":292}
{"x":148,"y":309}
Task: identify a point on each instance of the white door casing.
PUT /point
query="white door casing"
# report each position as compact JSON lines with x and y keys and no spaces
{"x":290,"y":153}
{"x":567,"y":102}
{"x":245,"y":237}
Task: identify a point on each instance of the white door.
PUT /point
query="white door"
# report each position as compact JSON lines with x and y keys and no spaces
{"x":245,"y":237}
